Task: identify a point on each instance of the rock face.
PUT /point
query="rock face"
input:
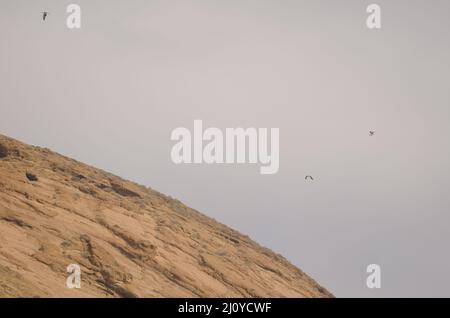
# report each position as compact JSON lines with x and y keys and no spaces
{"x":129,"y":240}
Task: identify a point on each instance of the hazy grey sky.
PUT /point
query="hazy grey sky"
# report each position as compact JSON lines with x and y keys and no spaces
{"x":111,"y":93}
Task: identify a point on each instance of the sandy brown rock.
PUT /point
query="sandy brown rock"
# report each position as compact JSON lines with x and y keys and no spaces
{"x":129,"y":240}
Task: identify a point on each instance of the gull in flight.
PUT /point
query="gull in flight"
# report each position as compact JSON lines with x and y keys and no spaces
{"x":371,"y":133}
{"x":309,"y":177}
{"x":44,"y":15}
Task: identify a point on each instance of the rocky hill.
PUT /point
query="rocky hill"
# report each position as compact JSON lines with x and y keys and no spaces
{"x":129,"y":240}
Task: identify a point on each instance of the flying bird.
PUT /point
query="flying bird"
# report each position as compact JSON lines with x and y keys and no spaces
{"x":44,"y":15}
{"x":309,"y":177}
{"x":371,"y":133}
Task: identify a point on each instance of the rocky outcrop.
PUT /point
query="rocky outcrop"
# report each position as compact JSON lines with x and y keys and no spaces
{"x":129,"y":240}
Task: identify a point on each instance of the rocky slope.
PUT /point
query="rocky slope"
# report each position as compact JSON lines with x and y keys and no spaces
{"x":129,"y":240}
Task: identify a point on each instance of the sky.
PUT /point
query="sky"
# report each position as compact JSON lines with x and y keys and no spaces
{"x":110,"y":94}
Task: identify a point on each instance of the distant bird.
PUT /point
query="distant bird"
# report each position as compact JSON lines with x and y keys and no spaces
{"x":44,"y":15}
{"x":309,"y":177}
{"x":371,"y":133}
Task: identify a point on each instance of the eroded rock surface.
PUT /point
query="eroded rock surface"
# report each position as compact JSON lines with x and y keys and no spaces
{"x":129,"y":240}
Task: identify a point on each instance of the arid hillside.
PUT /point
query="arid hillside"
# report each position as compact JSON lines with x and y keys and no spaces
{"x":129,"y":240}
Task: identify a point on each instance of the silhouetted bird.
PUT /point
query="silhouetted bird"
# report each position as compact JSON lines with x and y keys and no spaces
{"x":309,"y":177}
{"x":371,"y":133}
{"x":44,"y":15}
